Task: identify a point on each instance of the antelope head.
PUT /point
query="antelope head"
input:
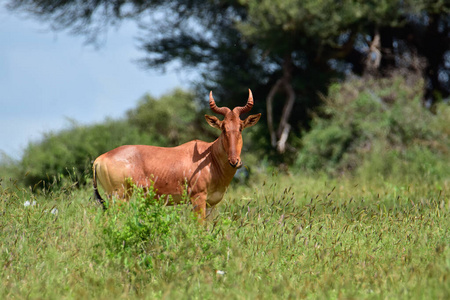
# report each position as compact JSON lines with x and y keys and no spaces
{"x":231,"y":127}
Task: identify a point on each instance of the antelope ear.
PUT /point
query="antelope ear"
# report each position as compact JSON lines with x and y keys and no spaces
{"x":251,"y":120}
{"x":213,"y":121}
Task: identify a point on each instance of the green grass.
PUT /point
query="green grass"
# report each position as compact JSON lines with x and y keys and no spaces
{"x":282,"y":237}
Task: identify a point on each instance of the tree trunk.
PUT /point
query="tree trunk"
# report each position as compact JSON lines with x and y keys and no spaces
{"x":278,"y":138}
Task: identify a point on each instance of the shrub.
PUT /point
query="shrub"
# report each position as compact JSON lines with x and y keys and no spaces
{"x":373,"y":127}
{"x":8,"y":170}
{"x":130,"y":229}
{"x":145,"y":233}
{"x":70,"y":152}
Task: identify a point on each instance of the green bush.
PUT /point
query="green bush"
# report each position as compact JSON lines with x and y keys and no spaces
{"x":130,"y":230}
{"x":145,"y":232}
{"x":377,"y":127}
{"x":70,"y":152}
{"x":9,"y":171}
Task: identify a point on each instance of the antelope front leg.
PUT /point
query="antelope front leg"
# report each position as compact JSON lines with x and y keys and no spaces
{"x":199,"y":204}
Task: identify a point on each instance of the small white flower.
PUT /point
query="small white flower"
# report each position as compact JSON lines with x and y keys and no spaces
{"x":29,"y":203}
{"x":220,"y":272}
{"x":54,"y":211}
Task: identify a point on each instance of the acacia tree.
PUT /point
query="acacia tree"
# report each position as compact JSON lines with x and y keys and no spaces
{"x":288,"y":50}
{"x":324,"y":35}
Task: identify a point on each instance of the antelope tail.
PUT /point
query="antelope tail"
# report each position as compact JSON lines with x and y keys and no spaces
{"x":96,"y":193}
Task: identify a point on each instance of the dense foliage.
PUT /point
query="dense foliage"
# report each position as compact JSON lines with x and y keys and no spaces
{"x":378,"y":128}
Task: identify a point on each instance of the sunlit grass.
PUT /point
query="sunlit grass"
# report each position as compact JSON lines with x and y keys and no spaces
{"x":282,"y":237}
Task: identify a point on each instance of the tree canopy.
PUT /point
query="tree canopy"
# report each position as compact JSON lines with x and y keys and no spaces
{"x":286,"y":51}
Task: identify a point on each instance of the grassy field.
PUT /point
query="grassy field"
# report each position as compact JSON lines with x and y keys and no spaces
{"x":281,"y":237}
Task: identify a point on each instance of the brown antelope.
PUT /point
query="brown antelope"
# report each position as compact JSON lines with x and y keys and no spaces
{"x":205,"y":169}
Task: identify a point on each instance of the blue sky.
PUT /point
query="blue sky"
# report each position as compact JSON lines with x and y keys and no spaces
{"x":48,"y":77}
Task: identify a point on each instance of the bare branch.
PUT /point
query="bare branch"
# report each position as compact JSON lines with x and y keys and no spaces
{"x":269,"y":107}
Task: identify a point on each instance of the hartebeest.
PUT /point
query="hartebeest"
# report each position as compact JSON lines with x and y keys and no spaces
{"x":205,"y":169}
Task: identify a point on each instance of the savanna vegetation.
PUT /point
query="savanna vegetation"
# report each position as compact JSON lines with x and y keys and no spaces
{"x":279,"y":237}
{"x":368,"y":127}
{"x":362,"y":212}
{"x":347,"y":194}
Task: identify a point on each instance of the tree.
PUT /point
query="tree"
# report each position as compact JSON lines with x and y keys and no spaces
{"x":311,"y":34}
{"x":289,"y":50}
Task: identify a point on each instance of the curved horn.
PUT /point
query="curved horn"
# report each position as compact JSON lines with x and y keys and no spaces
{"x":218,"y":110}
{"x":243,"y":109}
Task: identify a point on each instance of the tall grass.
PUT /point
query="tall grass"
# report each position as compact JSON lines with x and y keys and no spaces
{"x":281,"y":237}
